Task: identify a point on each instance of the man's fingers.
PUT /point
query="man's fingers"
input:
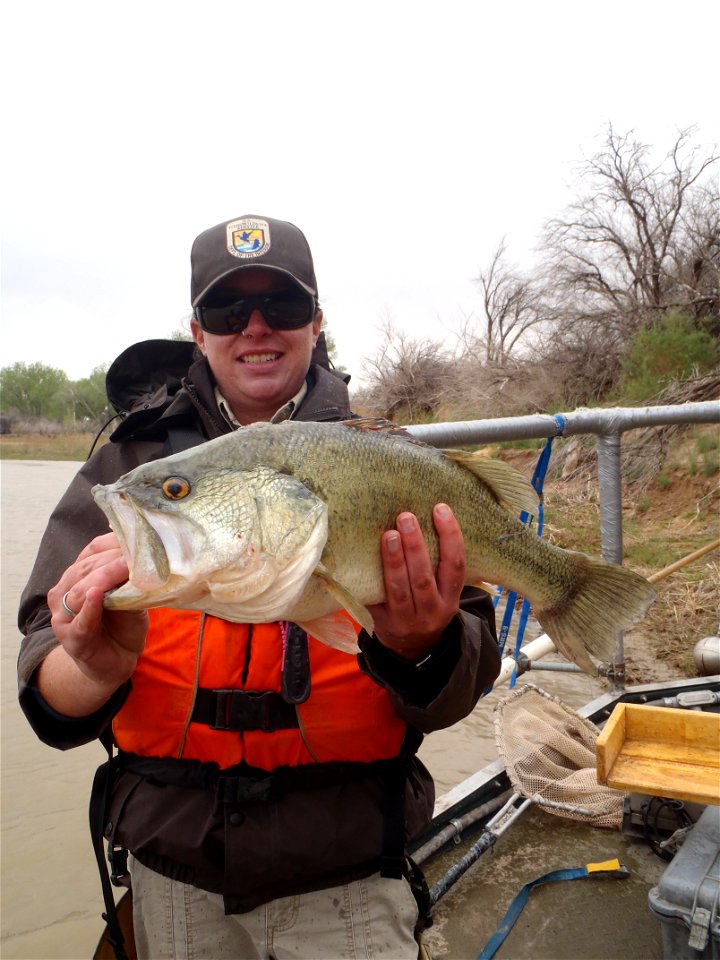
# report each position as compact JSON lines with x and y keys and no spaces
{"x":108,"y":541}
{"x":395,"y":573}
{"x":450,"y":575}
{"x":421,"y":575}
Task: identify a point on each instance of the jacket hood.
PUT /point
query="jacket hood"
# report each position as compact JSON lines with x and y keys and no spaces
{"x":148,"y":374}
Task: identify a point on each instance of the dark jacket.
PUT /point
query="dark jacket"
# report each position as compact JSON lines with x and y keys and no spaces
{"x":307,"y":835}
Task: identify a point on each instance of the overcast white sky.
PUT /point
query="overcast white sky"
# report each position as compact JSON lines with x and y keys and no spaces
{"x":404,"y":138}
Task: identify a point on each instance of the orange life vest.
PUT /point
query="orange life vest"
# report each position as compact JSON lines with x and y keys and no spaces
{"x":347,"y":716}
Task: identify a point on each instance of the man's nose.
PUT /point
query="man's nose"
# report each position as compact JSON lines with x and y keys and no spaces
{"x":257,"y":325}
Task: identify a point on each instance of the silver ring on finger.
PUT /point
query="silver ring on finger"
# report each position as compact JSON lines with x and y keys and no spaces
{"x":68,"y":610}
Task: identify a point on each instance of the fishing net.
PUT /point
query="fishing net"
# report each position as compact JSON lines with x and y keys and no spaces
{"x":549,"y":754}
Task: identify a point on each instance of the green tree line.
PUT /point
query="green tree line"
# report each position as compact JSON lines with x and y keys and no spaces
{"x":36,"y":390}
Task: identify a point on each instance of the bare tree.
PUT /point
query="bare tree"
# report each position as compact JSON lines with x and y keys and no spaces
{"x":642,"y":240}
{"x":406,"y":377}
{"x":511,"y":305}
{"x":697,"y":266}
{"x":640,"y":243}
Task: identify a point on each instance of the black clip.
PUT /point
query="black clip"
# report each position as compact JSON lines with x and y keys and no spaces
{"x":118,"y":859}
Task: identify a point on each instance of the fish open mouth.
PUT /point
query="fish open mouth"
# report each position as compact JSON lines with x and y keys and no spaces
{"x":141,"y":545}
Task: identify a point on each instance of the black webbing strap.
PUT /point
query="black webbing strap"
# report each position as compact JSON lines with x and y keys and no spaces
{"x":243,"y":710}
{"x":261,"y":710}
{"x":99,"y":806}
{"x":394,"y":860}
{"x":242,"y":782}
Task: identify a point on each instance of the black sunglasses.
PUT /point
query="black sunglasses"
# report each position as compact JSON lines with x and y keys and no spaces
{"x":282,"y":311}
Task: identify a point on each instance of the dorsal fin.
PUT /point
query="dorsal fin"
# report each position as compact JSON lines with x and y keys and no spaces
{"x":385,"y":427}
{"x":509,"y":487}
{"x":380,"y":425}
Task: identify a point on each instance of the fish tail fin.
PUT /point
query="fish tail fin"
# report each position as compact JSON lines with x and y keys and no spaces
{"x":607,"y":598}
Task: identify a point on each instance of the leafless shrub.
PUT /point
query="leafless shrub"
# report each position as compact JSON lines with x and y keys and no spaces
{"x":407,"y":378}
{"x":511,"y":305}
{"x":582,"y":358}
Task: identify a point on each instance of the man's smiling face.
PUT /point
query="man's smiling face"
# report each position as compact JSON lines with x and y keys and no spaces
{"x":260,"y":369}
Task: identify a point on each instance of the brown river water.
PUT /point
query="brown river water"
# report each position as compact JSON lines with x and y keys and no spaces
{"x":50,"y":892}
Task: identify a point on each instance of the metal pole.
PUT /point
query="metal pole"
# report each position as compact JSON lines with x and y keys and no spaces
{"x":598,"y":421}
{"x":611,"y":527}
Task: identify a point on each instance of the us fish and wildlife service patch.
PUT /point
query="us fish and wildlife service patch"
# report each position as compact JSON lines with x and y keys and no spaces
{"x":248,"y":238}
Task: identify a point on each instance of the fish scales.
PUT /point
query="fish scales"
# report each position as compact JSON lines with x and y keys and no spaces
{"x":283,"y":521}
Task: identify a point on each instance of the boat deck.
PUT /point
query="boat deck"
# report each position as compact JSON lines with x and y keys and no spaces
{"x":568,"y":920}
{"x":601,"y":917}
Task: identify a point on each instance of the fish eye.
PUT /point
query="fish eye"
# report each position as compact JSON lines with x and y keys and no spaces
{"x":175,"y":488}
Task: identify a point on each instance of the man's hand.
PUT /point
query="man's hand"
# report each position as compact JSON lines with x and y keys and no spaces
{"x":420,"y":602}
{"x":98,"y":648}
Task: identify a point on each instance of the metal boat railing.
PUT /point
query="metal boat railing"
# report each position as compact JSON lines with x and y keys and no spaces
{"x":608,"y":425}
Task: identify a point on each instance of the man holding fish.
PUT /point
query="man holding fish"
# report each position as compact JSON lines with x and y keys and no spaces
{"x":267,"y":783}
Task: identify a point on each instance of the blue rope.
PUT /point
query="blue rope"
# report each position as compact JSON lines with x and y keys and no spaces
{"x":538,"y":479}
{"x":610,"y":868}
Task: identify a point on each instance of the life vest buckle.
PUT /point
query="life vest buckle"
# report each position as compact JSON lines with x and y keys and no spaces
{"x":249,"y":710}
{"x":237,"y":710}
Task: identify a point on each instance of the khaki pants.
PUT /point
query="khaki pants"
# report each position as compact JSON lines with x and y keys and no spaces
{"x":372,"y":918}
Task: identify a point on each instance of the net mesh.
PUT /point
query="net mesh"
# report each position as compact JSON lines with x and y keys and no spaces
{"x":549,"y":753}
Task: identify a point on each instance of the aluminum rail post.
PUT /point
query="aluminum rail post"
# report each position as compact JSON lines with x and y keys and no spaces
{"x":611,"y":528}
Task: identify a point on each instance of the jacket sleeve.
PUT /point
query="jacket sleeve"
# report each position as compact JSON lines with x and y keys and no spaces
{"x":445,"y":686}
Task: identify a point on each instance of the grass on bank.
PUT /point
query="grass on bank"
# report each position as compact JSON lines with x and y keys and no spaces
{"x":60,"y":446}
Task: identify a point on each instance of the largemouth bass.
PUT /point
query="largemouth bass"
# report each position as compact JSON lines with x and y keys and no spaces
{"x":283,"y":522}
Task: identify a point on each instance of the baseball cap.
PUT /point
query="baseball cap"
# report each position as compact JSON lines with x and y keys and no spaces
{"x":250,"y":241}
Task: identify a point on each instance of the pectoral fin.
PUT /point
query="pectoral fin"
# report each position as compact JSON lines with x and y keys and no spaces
{"x":334,"y":630}
{"x":348,"y":602}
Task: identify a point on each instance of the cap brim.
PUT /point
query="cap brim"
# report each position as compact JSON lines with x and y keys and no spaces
{"x":251,"y":266}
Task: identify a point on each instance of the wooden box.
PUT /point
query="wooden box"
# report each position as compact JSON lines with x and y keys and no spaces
{"x":662,"y":752}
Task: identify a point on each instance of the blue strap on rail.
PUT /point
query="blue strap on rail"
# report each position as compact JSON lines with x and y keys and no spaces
{"x":538,"y":479}
{"x":609,"y":868}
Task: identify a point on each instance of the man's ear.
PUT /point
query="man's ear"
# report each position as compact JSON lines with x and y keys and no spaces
{"x":198,"y":336}
{"x":317,"y":324}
